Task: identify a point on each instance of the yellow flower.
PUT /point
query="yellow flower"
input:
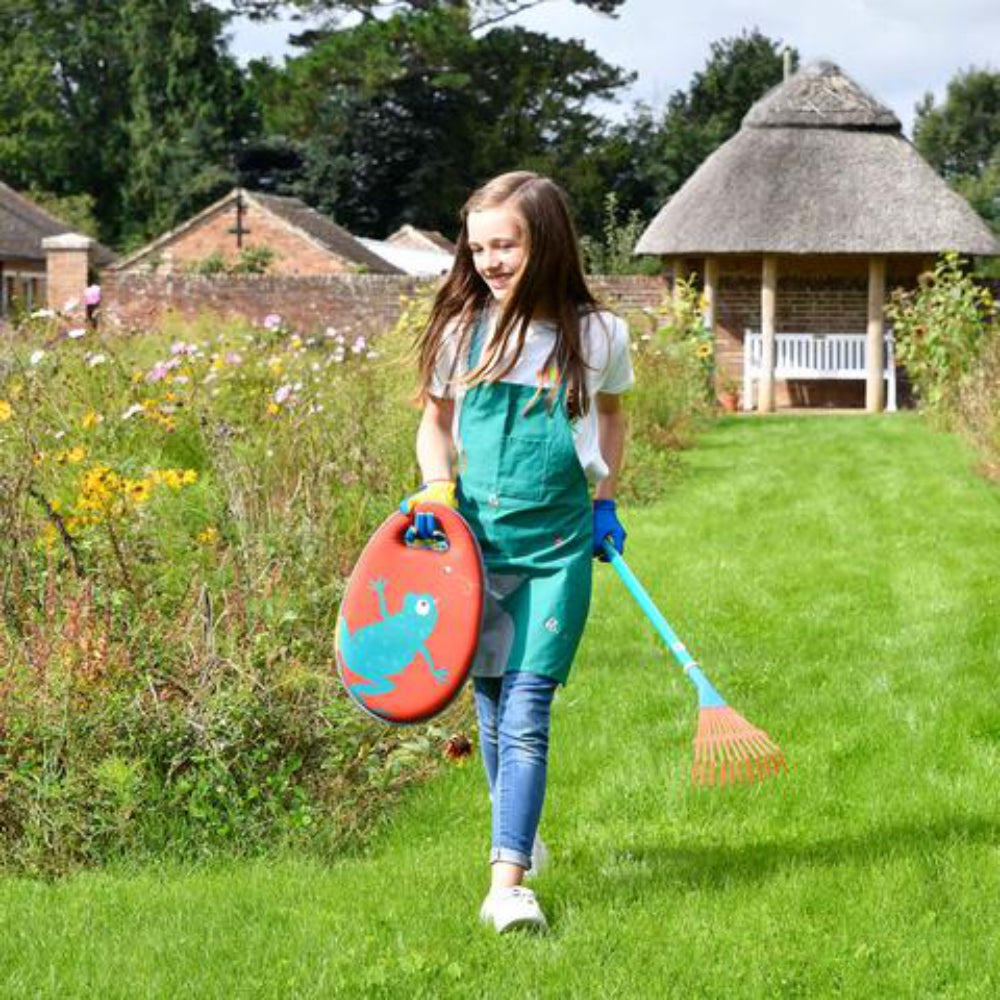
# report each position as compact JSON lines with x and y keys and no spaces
{"x":209,"y":536}
{"x":76,"y":455}
{"x":6,"y":411}
{"x":138,"y":490}
{"x":189,"y":476}
{"x":704,"y":351}
{"x":90,"y":419}
{"x":38,"y":458}
{"x":273,"y":409}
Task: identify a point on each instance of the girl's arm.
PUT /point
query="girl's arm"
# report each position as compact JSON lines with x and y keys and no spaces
{"x":435,"y":446}
{"x":611,"y":432}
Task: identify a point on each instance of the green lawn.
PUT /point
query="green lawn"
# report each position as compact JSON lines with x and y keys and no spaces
{"x":838,"y":579}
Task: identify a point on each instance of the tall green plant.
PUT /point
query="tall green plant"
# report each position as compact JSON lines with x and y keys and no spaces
{"x":614,"y":253}
{"x":939,"y":327}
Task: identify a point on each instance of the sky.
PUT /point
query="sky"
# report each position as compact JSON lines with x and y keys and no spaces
{"x":896,"y":49}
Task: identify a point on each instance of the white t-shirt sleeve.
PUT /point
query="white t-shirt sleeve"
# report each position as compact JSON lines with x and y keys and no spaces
{"x":441,"y":378}
{"x":617,"y":376}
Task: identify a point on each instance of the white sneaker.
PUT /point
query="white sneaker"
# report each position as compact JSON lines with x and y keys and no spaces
{"x":539,"y":858}
{"x":513,"y":909}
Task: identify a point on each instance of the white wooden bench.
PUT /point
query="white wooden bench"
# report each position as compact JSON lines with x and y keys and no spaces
{"x":815,"y":356}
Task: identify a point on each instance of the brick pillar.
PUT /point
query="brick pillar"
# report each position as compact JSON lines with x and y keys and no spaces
{"x":67,"y":260}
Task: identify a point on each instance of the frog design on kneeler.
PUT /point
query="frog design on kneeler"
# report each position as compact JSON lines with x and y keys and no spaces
{"x":383,"y":649}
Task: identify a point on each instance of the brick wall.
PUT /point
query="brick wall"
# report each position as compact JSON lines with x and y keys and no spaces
{"x":362,"y":302}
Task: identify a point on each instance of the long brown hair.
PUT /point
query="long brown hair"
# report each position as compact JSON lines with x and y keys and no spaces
{"x":551,"y":283}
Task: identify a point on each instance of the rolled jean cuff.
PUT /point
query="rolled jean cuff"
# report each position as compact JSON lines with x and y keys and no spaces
{"x":510,"y":857}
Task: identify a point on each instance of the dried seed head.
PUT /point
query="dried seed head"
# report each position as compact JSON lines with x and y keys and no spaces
{"x":458,"y":748}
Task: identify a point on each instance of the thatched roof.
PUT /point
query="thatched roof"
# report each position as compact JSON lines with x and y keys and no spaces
{"x":23,"y":226}
{"x":818,"y":167}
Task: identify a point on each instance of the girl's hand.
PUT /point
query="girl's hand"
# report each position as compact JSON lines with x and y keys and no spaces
{"x":424,"y":523}
{"x":607,"y":525}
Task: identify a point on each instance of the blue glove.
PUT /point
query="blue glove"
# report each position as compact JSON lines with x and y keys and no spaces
{"x":606,"y":524}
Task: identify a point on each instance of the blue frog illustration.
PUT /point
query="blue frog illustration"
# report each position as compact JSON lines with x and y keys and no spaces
{"x":382,"y":649}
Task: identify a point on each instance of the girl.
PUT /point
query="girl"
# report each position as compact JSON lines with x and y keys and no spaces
{"x":521,"y":375}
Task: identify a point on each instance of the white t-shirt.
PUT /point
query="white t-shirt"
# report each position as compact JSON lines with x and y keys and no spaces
{"x":605,"y":343}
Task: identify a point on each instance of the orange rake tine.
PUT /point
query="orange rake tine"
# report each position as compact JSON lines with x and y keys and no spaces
{"x":728,"y":750}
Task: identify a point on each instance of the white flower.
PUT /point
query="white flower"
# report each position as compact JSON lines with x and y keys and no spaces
{"x":372,"y":355}
{"x":76,"y":333}
{"x":132,"y":411}
{"x":181,"y":379}
{"x":70,"y":304}
{"x":282,"y":393}
{"x":315,"y":366}
{"x":59,"y":434}
{"x":36,"y":356}
{"x":43,"y":314}
{"x":96,"y":359}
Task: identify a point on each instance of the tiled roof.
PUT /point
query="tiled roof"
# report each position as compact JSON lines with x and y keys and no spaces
{"x":23,"y":226}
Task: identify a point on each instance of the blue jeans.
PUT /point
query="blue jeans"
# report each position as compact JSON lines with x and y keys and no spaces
{"x":514,"y":713}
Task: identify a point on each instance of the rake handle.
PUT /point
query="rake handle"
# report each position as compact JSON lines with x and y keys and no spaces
{"x":707,"y":695}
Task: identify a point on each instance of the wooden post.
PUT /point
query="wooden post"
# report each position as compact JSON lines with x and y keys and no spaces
{"x":676,"y":273}
{"x":874,"y":351}
{"x":768,"y":316}
{"x":711,"y":291}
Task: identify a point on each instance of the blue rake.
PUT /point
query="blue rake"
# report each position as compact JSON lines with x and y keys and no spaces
{"x":727,"y":748}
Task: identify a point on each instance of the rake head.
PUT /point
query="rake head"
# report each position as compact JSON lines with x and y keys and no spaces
{"x":728,"y":750}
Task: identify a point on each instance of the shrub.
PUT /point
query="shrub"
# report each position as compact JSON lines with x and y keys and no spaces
{"x":938,"y":328}
{"x":181,"y":509}
{"x":673,"y":396}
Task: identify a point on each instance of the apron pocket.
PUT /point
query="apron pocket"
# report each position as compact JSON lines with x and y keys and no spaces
{"x":524,"y":468}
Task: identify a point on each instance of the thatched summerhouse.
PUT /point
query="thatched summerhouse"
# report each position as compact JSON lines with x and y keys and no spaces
{"x":798,"y":224}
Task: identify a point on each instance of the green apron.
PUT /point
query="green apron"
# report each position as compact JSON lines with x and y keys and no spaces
{"x":525,"y":496}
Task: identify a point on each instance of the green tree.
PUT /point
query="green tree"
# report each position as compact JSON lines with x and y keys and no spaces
{"x":400,"y":116}
{"x":961,"y":138}
{"x":132,"y":102}
{"x":187,"y":110}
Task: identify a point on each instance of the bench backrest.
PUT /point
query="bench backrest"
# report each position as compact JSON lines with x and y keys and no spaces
{"x":834,"y":355}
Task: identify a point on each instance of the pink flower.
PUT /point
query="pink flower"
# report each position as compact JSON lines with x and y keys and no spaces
{"x":179,"y":347}
{"x":282,"y":394}
{"x":232,"y":358}
{"x":272,"y":322}
{"x":92,"y":295}
{"x":158,"y":372}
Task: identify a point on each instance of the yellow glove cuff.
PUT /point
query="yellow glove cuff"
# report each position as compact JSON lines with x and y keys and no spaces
{"x":437,"y":491}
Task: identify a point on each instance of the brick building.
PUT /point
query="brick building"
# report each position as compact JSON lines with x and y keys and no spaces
{"x":42,"y":262}
{"x":800,"y":223}
{"x":301,"y":240}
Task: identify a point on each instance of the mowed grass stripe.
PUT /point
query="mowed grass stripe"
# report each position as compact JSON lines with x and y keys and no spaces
{"x":837,"y":580}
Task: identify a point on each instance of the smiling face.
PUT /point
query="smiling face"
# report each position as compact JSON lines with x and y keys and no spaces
{"x":498,"y":241}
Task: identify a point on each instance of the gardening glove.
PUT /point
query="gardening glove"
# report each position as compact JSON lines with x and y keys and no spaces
{"x":607,"y":525}
{"x":424,"y":523}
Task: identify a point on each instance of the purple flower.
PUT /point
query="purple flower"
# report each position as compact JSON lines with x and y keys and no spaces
{"x":272,"y":322}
